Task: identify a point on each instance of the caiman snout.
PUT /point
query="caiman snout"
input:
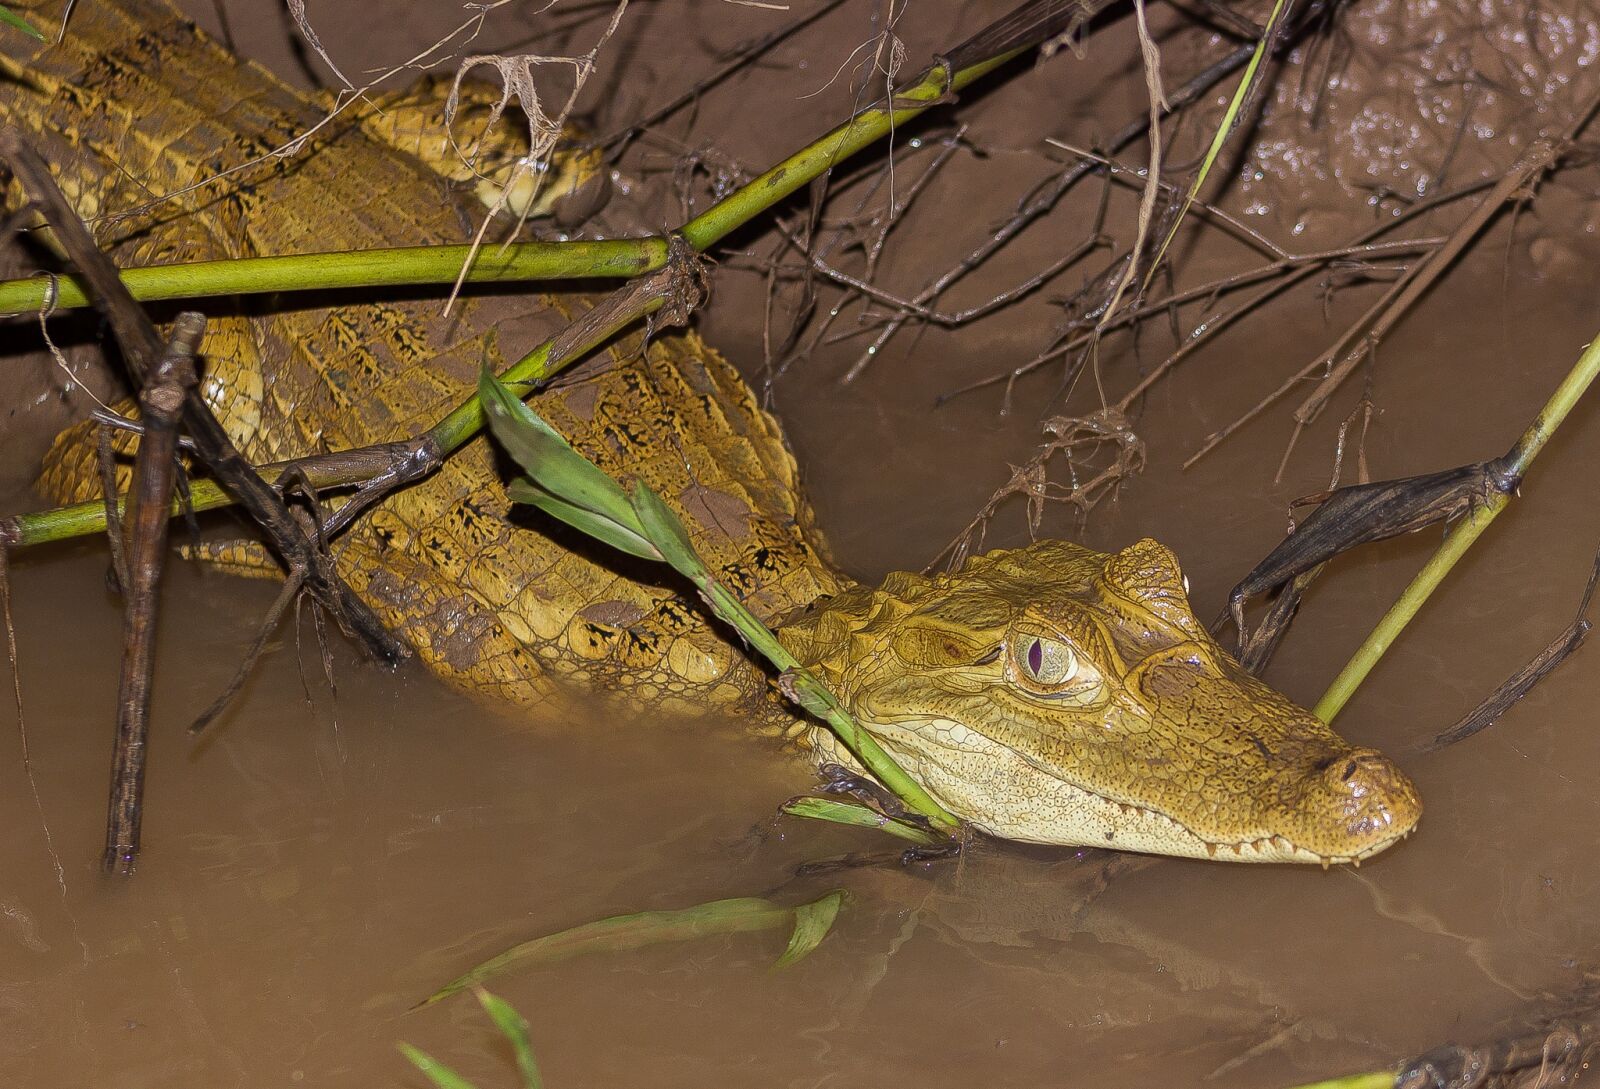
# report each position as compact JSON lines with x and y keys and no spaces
{"x":1354,"y":804}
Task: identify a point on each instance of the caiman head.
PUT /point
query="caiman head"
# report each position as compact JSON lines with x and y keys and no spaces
{"x":1059,"y":695}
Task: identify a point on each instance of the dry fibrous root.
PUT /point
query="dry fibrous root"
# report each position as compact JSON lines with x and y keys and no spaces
{"x":1081,"y":440}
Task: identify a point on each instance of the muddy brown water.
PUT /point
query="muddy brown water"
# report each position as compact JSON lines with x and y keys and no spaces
{"x":324,"y":862}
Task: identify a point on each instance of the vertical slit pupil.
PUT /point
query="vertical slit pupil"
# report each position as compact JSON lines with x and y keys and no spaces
{"x":1035,"y":657}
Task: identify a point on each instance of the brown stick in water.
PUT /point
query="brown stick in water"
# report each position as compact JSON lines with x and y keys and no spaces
{"x":154,"y":478}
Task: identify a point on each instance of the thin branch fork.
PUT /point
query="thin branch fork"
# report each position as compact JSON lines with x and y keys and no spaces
{"x":166,"y":378}
{"x":1050,"y":192}
{"x":1341,"y":359}
{"x":142,"y":346}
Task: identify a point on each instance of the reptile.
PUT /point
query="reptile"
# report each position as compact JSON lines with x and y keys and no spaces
{"x":1049,"y":693}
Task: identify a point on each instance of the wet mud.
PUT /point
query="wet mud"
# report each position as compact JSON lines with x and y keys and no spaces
{"x":325,"y":861}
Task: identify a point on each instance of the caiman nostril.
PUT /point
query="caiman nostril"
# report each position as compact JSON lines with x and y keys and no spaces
{"x":1358,"y":799}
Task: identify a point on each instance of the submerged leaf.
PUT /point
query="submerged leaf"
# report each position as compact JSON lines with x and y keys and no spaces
{"x":515,"y":1029}
{"x":437,"y":1072}
{"x":549,"y":458}
{"x":625,"y":932}
{"x":860,"y":816}
{"x":595,"y":525}
{"x":811,"y":924}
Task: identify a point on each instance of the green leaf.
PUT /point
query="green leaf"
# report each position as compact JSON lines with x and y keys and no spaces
{"x":549,"y":458}
{"x":625,"y":932}
{"x":515,"y":1029}
{"x":437,"y":1072}
{"x":666,"y":532}
{"x":585,"y":521}
{"x":859,"y":816}
{"x":10,"y":18}
{"x":811,"y":924}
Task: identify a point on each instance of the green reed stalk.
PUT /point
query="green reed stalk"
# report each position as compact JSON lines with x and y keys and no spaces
{"x":396,"y":266}
{"x":438,"y":265}
{"x":1461,"y":536}
{"x":568,"y":486}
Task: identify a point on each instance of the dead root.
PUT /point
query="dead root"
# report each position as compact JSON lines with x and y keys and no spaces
{"x":1082,"y":440}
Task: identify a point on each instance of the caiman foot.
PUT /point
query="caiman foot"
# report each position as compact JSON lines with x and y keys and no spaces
{"x":856,"y":860}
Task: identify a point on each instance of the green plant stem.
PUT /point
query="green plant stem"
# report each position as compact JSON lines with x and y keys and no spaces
{"x":524,"y":261}
{"x":466,"y":420}
{"x":1461,"y":535}
{"x":82,"y":519}
{"x":398,"y":266}
{"x":816,"y":698}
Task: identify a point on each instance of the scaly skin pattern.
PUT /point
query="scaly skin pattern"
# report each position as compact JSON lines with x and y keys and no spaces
{"x":1050,"y":693}
{"x":136,"y":105}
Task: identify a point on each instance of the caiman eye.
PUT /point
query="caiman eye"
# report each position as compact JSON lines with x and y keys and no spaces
{"x":1046,"y":662}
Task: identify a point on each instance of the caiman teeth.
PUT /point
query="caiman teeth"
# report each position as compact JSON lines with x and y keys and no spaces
{"x":1285,"y":849}
{"x":1275,"y":845}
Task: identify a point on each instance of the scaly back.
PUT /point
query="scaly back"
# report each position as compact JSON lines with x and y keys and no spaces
{"x":136,"y":107}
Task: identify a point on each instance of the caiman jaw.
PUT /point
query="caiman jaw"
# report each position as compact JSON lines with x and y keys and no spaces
{"x":1057,"y":695}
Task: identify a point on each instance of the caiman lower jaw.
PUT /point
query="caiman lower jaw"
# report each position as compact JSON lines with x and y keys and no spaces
{"x":1133,"y":828}
{"x":1002,"y":793}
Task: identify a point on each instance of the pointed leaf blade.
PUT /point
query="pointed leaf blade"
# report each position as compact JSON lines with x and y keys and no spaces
{"x":859,"y":816}
{"x":514,"y":1027}
{"x":665,"y":530}
{"x":11,"y":18}
{"x":811,"y":924}
{"x":436,"y":1071}
{"x":549,"y":458}
{"x":585,"y":521}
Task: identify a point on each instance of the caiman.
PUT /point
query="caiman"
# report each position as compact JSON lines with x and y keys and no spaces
{"x":1048,"y":693}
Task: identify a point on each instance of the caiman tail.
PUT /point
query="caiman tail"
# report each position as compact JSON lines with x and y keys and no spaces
{"x":139,"y":112}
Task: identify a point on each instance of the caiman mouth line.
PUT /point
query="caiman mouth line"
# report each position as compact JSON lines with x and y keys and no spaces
{"x":1110,"y":718}
{"x":1274,"y":847}
{"x":1277,"y":846}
